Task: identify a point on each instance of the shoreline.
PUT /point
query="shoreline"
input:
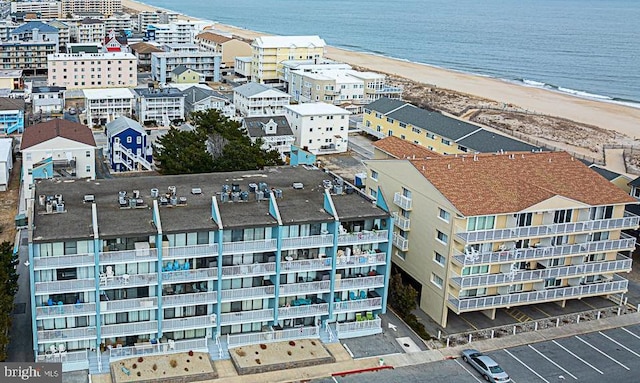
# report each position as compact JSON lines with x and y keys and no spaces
{"x":606,"y":114}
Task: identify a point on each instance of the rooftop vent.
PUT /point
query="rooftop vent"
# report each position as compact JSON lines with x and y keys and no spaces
{"x":196,"y":191}
{"x":253,"y":187}
{"x":298,"y":185}
{"x":171,"y":190}
{"x":42,"y":199}
{"x":154,"y":193}
{"x":182,"y":200}
{"x":235,"y":188}
{"x":89,"y":198}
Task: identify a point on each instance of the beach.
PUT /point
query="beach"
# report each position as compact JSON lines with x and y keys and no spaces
{"x":605,"y":115}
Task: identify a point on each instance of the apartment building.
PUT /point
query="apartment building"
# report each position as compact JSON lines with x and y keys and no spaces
{"x":47,"y":99}
{"x":242,"y":67}
{"x":105,"y":7}
{"x":488,"y":232}
{"x":159,"y":106}
{"x":205,"y":63}
{"x":188,"y":257}
{"x":28,"y":47}
{"x":64,"y":32}
{"x":118,"y":22}
{"x":254,"y":100}
{"x":46,"y":9}
{"x":143,"y":52}
{"x":268,"y":53}
{"x":228,"y":47}
{"x":105,"y":105}
{"x":175,"y":32}
{"x":90,"y":31}
{"x":6,"y":26}
{"x":6,"y":162}
{"x":158,"y":17}
{"x":434,"y":130}
{"x":92,"y":70}
{"x":319,"y":128}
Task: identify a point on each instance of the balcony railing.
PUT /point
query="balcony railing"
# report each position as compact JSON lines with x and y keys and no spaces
{"x":306,"y":265}
{"x":361,"y":260}
{"x":247,"y":293}
{"x":363,"y":237}
{"x":618,"y":285}
{"x":303,"y":311}
{"x":248,"y":270}
{"x":209,"y":297}
{"x":541,"y":274}
{"x":315,"y":287}
{"x":518,"y":255}
{"x":402,"y":201}
{"x":357,"y":305}
{"x":237,"y":340}
{"x":246,"y":317}
{"x":128,"y":305}
{"x":131,"y":328}
{"x":65,"y":310}
{"x":78,"y":333}
{"x":128,"y":256}
{"x":189,"y":275}
{"x":158,"y":348}
{"x":312,"y":241}
{"x":249,"y":246}
{"x":72,"y":285}
{"x":550,"y":230}
{"x":41,"y":263}
{"x":360,"y":328}
{"x":130,"y":280}
{"x":401,"y":222}
{"x":195,"y":251}
{"x":179,"y":324}
{"x":360,"y":282}
{"x":400,"y":242}
{"x":68,"y":357}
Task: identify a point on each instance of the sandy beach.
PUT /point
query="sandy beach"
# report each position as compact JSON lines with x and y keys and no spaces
{"x":620,"y":118}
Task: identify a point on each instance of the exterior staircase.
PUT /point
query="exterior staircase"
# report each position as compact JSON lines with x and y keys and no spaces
{"x":129,"y":159}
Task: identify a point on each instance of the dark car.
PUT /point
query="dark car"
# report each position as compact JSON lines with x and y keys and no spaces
{"x":489,"y":369}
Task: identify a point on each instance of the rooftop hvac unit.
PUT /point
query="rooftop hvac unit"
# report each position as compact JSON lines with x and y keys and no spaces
{"x":122,"y":201}
{"x":259,"y":195}
{"x":235,"y":196}
{"x":182,"y":201}
{"x":136,"y":194}
{"x":164,"y":201}
{"x":244,"y":196}
{"x":262,"y":186}
{"x":278,"y":193}
{"x":226,"y":188}
{"x":132,"y":202}
{"x":253,"y":187}
{"x":235,"y":188}
{"x":339,"y":181}
{"x":60,"y":208}
{"x":49,"y":208}
{"x":89,"y":198}
{"x":173,"y":200}
{"x":349,"y":190}
{"x":337,"y":189}
{"x":154,"y":193}
{"x":196,"y":191}
{"x":224,"y":197}
{"x":42,"y":199}
{"x":298,"y":185}
{"x":266,"y":192}
{"x":122,"y":194}
{"x":59,"y":198}
{"x":326,"y":184}
{"x":139,"y":202}
{"x":172,"y":190}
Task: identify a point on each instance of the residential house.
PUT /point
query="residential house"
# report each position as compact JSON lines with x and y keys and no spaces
{"x":105,"y":105}
{"x":254,"y":100}
{"x":6,"y":162}
{"x":269,"y":52}
{"x":274,"y":131}
{"x":143,"y":52}
{"x":90,"y":31}
{"x":202,"y":98}
{"x":11,"y":115}
{"x":159,"y":106}
{"x":28,"y":47}
{"x":319,"y":128}
{"x":48,"y":99}
{"x":183,"y":75}
{"x":176,"y":259}
{"x":129,"y":145}
{"x":158,"y":17}
{"x":228,"y":47}
{"x":46,"y":9}
{"x":11,"y":79}
{"x":242,"y":67}
{"x":105,"y":7}
{"x":489,"y":232}
{"x":205,"y":63}
{"x":92,"y":70}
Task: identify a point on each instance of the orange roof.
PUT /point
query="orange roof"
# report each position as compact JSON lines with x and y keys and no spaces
{"x":216,"y":38}
{"x":508,"y":183}
{"x":145,"y":48}
{"x":57,"y":127}
{"x":399,"y":148}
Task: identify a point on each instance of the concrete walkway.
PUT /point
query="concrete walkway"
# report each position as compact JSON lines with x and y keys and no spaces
{"x":614,"y":161}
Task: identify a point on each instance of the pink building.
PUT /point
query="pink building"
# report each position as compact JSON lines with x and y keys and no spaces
{"x":92,"y":70}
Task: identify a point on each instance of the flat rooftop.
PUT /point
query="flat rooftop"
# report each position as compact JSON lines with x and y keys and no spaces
{"x":296,"y":205}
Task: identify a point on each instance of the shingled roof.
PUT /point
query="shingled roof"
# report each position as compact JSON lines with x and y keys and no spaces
{"x":45,"y":131}
{"x":399,"y":148}
{"x":216,"y":38}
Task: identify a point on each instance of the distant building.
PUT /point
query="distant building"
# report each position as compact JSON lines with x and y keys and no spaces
{"x":159,"y":106}
{"x":228,"y":47}
{"x":143,"y":52}
{"x":11,"y":79}
{"x":255,"y":100}
{"x":158,"y":17}
{"x":274,"y":131}
{"x":205,"y":63}
{"x":105,"y":105}
{"x":48,"y":99}
{"x":64,"y":33}
{"x":242,"y":67}
{"x":93,"y":70}
{"x":129,"y":146}
{"x":35,"y":38}
{"x":105,"y":7}
{"x":269,"y":52}
{"x":46,"y":9}
{"x":183,"y":75}
{"x":319,"y":128}
{"x":11,"y":115}
{"x":620,"y":180}
{"x":118,"y":22}
{"x":199,"y":99}
{"x":175,"y":32}
{"x":6,"y":162}
{"x":115,"y":43}
{"x":90,"y":31}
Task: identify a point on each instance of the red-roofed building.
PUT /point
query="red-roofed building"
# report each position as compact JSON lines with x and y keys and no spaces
{"x":115,"y":43}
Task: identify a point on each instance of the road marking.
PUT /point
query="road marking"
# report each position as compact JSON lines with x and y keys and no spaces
{"x":469,"y":323}
{"x":602,"y":353}
{"x":528,"y":368}
{"x":593,"y":307}
{"x":622,"y":328}
{"x":619,"y":344}
{"x":542,"y":311}
{"x":576,"y":356}
{"x":554,"y":363}
{"x":470,"y":373}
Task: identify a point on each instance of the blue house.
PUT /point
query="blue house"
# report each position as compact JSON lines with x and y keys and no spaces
{"x":11,"y":115}
{"x":129,"y":146}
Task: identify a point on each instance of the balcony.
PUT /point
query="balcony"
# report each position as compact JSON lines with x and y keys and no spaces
{"x":359,"y":328}
{"x":246,"y":317}
{"x":361,"y":260}
{"x":303,"y":311}
{"x":517,"y":255}
{"x":402,"y":201}
{"x":179,"y":324}
{"x":47,"y":312}
{"x":68,"y":357}
{"x":131,"y":328}
{"x":77,"y":333}
{"x":128,"y":256}
{"x":303,"y":288}
{"x":158,"y":348}
{"x":360,"y":283}
{"x":237,"y":340}
{"x":621,"y":265}
{"x":196,"y":251}
{"x":189,"y":275}
{"x":247,"y":293}
{"x":630,"y":222}
{"x":249,"y":246}
{"x":128,"y":305}
{"x":209,"y":297}
{"x":401,"y":222}
{"x":400,"y":242}
{"x":306,"y":265}
{"x":307,"y":242}
{"x":248,"y":270}
{"x":357,"y":305}
{"x":363,"y":237}
{"x":43,"y":263}
{"x":126,"y":280}
{"x":618,"y":285}
{"x":72,"y":285}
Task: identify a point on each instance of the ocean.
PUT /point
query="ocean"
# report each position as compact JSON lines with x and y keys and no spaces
{"x":588,"y":48}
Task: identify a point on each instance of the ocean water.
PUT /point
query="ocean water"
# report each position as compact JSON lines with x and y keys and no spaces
{"x":589,"y":48}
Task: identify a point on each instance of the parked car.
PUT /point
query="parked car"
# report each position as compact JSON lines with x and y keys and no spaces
{"x":489,"y":369}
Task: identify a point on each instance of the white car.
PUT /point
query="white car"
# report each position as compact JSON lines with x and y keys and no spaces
{"x":489,"y":369}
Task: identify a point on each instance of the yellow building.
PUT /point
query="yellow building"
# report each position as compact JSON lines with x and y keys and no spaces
{"x":487,"y":232}
{"x":228,"y":47}
{"x":268,"y":53}
{"x":183,"y":75}
{"x":11,"y":79}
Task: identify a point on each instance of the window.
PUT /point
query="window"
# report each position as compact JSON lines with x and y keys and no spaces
{"x":445,"y":141}
{"x":439,"y":258}
{"x":473,"y":293}
{"x":373,"y":193}
{"x":88,"y":169}
{"x":129,"y":140}
{"x":562,"y":216}
{"x":87,"y":153}
{"x":436,"y":280}
{"x":636,"y":191}
{"x":475,"y":270}
{"x":603,"y":212}
{"x":524,"y":219}
{"x":390,"y":120}
{"x":442,"y":237}
{"x":462,"y":148}
{"x":415,"y":130}
{"x":402,"y":125}
{"x":374,"y":175}
{"x":431,"y":135}
{"x":518,"y":287}
{"x":480,"y":223}
{"x":552,"y":282}
{"x":139,"y":140}
{"x":444,"y":215}
{"x":556,"y":262}
{"x":594,"y":257}
{"x":401,"y":254}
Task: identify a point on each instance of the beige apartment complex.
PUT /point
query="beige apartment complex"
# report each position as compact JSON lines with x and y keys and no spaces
{"x":106,"y":7}
{"x":268,"y":53}
{"x":481,"y":233}
{"x":92,"y":70}
{"x":228,"y":47}
{"x":46,"y":9}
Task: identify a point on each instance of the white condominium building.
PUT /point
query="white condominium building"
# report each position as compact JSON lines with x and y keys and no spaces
{"x":105,"y":105}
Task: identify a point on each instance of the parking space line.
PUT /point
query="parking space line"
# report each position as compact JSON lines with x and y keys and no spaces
{"x":470,"y":373}
{"x":542,"y":311}
{"x":593,"y":307}
{"x":602,"y":353}
{"x":469,"y":323}
{"x":528,"y":368}
{"x":554,"y":363}
{"x":619,"y":344}
{"x":631,"y":333}
{"x":576,"y":356}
